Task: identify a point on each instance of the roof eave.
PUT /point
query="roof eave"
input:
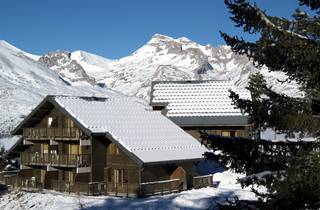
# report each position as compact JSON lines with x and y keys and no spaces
{"x":49,"y":98}
{"x":16,"y":130}
{"x":86,"y":130}
{"x":172,"y":161}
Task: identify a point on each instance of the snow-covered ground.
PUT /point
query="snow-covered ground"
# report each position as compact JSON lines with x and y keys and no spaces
{"x":192,"y":199}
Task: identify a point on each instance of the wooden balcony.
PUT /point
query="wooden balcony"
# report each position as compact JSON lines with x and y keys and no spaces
{"x":55,"y":160}
{"x":52,"y":133}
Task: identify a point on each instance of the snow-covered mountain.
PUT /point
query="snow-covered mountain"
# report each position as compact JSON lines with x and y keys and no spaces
{"x":166,"y":58}
{"x":25,"y":78}
{"x":24,"y":82}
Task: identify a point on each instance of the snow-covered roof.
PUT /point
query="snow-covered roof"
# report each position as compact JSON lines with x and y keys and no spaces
{"x":192,"y":102}
{"x":144,"y":134}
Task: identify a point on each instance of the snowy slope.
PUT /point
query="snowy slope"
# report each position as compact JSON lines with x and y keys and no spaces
{"x":166,"y":58}
{"x":25,"y":81}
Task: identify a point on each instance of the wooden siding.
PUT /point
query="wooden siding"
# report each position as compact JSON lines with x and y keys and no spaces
{"x":157,"y":172}
{"x":60,"y":159}
{"x":170,"y":171}
{"x":99,"y":152}
{"x":131,"y":177}
{"x":236,"y":132}
{"x":55,"y":125}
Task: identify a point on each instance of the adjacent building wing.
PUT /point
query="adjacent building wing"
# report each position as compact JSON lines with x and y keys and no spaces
{"x":198,"y":103}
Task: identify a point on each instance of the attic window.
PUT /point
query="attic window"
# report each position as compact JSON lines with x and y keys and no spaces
{"x":50,"y":120}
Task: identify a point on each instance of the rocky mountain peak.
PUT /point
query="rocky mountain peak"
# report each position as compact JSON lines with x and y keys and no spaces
{"x":72,"y":72}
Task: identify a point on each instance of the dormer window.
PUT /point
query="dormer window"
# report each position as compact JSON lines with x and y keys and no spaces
{"x":50,"y":120}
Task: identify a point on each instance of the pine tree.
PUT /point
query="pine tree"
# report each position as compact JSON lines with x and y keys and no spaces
{"x":290,"y":46}
{"x":293,"y":47}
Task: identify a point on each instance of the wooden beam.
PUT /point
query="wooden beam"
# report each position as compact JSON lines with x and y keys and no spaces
{"x":26,"y":142}
{"x":53,"y":142}
{"x":50,"y":168}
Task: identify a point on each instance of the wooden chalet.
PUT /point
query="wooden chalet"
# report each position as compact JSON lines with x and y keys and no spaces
{"x":96,"y":145}
{"x":201,"y":105}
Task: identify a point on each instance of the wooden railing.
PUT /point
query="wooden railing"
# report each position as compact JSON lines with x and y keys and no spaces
{"x":91,"y":188}
{"x":160,"y":187}
{"x":21,"y":182}
{"x":51,"y":133}
{"x":65,"y":160}
{"x":203,"y":181}
{"x":123,"y":189}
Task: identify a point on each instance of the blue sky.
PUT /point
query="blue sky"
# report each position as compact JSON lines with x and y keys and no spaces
{"x":115,"y":28}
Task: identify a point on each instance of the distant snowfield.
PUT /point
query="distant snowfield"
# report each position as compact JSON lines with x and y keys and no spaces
{"x":192,"y":199}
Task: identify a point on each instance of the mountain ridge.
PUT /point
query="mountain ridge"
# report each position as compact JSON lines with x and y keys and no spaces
{"x":167,"y":58}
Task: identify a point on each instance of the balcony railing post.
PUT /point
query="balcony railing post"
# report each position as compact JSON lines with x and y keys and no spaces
{"x":127,"y":183}
{"x":69,"y":186}
{"x":116,"y":188}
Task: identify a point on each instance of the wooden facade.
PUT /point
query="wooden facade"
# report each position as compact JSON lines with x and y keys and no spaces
{"x":60,"y":156}
{"x":226,"y":131}
{"x":55,"y":151}
{"x":201,"y":105}
{"x":221,"y":130}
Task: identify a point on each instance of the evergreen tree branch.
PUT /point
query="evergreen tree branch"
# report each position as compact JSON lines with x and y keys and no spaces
{"x":312,"y":4}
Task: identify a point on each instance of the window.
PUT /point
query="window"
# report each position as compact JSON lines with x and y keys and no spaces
{"x":120,"y":177}
{"x":113,"y":149}
{"x":74,"y":149}
{"x":225,"y":133}
{"x":52,"y":122}
{"x":45,"y":148}
{"x":50,"y":119}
